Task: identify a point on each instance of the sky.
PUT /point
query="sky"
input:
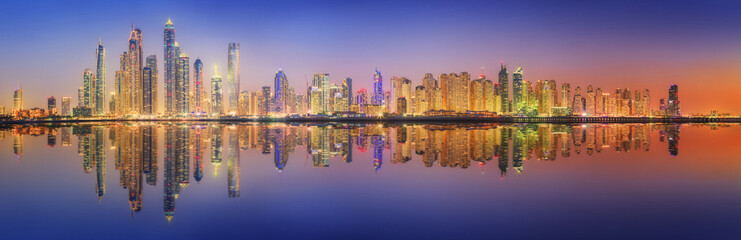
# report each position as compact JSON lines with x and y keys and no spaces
{"x":46,"y":45}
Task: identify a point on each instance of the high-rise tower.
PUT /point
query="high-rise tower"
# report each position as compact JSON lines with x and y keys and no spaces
{"x":281,"y":86}
{"x":183,"y":84}
{"x":377,"y":97}
{"x":672,"y":106}
{"x":217,"y":95}
{"x":88,"y":88}
{"x":136,"y":60}
{"x":198,"y":92}
{"x":150,"y":88}
{"x":504,"y":88}
{"x":518,"y":103}
{"x":232,"y":77}
{"x":170,"y":60}
{"x":100,"y":79}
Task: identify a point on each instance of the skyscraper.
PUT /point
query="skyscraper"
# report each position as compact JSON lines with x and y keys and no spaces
{"x":100,"y":79}
{"x":217,"y":97}
{"x":66,"y":106}
{"x":232,"y":76}
{"x":183,"y":84}
{"x":377,"y":98}
{"x":18,"y":98}
{"x":51,"y":105}
{"x":150,"y":89}
{"x":147,"y":81}
{"x":672,"y":106}
{"x":347,"y":92}
{"x":198,"y":92}
{"x":170,"y":61}
{"x":136,"y":60}
{"x":88,"y":86}
{"x":281,"y":86}
{"x":504,"y":88}
{"x":518,"y":103}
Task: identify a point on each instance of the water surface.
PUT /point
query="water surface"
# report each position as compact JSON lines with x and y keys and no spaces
{"x":379,"y":181}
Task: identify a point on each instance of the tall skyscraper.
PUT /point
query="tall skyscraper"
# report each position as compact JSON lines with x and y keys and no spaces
{"x":198,"y":92}
{"x":517,"y":101}
{"x":347,"y":92}
{"x":232,"y":76}
{"x":672,"y":106}
{"x":150,"y":89}
{"x":170,"y":61}
{"x":377,"y":98}
{"x":51,"y":105}
{"x":266,"y":100}
{"x":319,"y":95}
{"x":281,"y":86}
{"x":504,"y":88}
{"x":66,"y":106}
{"x":88,"y":86}
{"x":217,"y":97}
{"x":147,"y":97}
{"x":136,"y":60}
{"x":100,"y":73}
{"x":183,"y":84}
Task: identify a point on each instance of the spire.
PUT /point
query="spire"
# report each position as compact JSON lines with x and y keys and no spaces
{"x":216,"y":70}
{"x":169,"y":21}
{"x":99,"y":40}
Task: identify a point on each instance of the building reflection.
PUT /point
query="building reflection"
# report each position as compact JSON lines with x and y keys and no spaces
{"x":134,"y":147}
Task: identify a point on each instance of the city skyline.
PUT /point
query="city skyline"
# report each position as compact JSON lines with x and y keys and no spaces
{"x":645,"y":69}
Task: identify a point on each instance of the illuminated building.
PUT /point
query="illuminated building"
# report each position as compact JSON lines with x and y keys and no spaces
{"x":232,"y":76}
{"x":66,"y":106}
{"x":566,"y":97}
{"x":672,"y":106}
{"x":319,"y":93}
{"x":244,"y":103}
{"x":401,"y":105}
{"x":455,"y":93}
{"x":347,"y":91}
{"x":182,"y":84}
{"x":136,"y":63}
{"x":378,"y":93}
{"x":100,"y":80}
{"x":488,"y":95}
{"x":518,"y":102}
{"x":149,"y":80}
{"x":504,"y":89}
{"x":170,"y":67}
{"x":88,"y":85}
{"x":254,"y":103}
{"x":199,"y":93}
{"x":477,"y":100}
{"x":18,"y":98}
{"x":361,"y":98}
{"x":265,"y":102}
{"x":281,"y":86}
{"x":599,"y":102}
{"x":420,"y":101}
{"x":217,"y":97}
{"x":51,"y":105}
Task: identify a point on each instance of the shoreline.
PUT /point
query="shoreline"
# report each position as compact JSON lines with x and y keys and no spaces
{"x":419,"y":119}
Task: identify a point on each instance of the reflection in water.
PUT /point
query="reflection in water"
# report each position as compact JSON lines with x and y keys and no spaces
{"x":135,"y":147}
